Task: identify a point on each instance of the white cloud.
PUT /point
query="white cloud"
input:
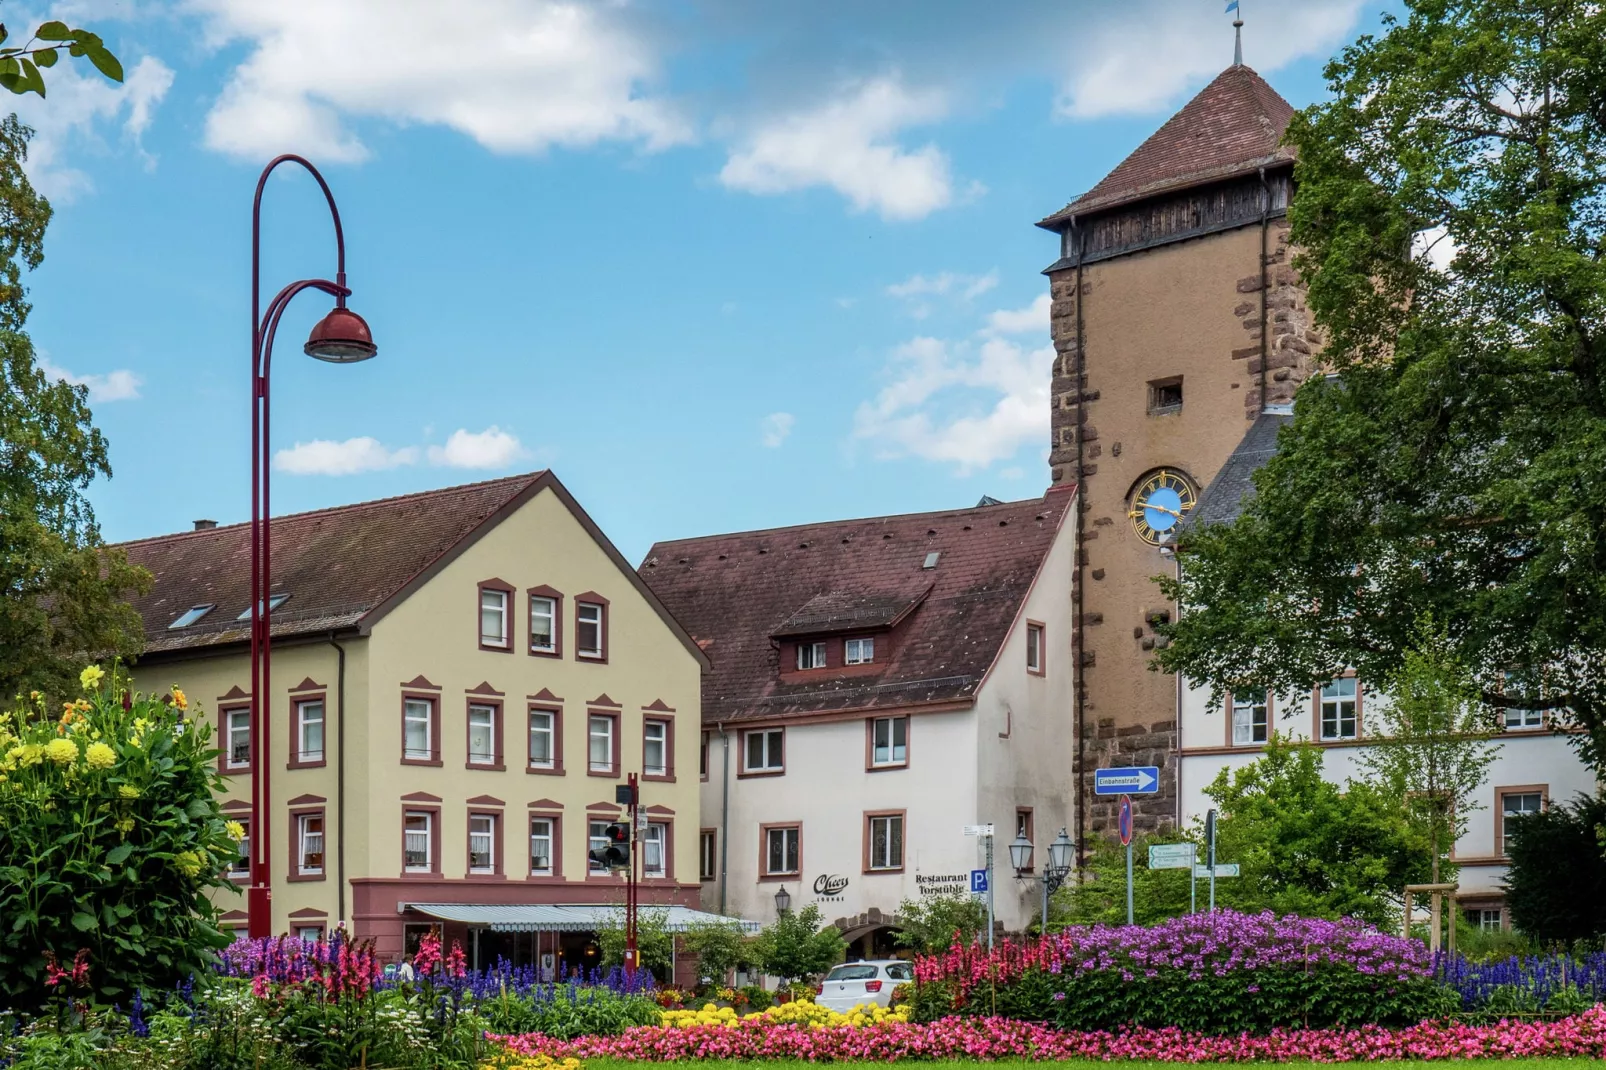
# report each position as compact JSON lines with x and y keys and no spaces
{"x":491,"y":448}
{"x":120,"y":385}
{"x":514,"y":76}
{"x":774,"y":428}
{"x":966,"y":287}
{"x":1034,"y":317}
{"x":321,"y":457}
{"x":849,"y":143}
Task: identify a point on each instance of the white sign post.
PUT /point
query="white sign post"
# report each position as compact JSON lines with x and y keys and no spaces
{"x":986,"y":832}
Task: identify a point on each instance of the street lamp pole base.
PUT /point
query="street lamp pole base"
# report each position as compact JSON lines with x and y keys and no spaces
{"x":259,"y":908}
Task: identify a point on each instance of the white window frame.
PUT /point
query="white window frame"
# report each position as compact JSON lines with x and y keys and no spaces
{"x":648,"y":742}
{"x":1337,"y":701}
{"x":792,"y":833}
{"x":593,"y":720}
{"x":890,"y":822}
{"x":1244,"y":719}
{"x":1522,"y":718}
{"x":551,"y":734}
{"x":895,"y":755}
{"x":428,"y":833}
{"x":1506,"y":814}
{"x":550,"y":615}
{"x":482,"y":827}
{"x":240,"y":867}
{"x":549,"y":834}
{"x":315,"y":931}
{"x":238,"y":721}
{"x":499,"y":638}
{"x":303,"y":722}
{"x":304,"y":840}
{"x":810,"y":656}
{"x":409,"y":707}
{"x":859,"y":651}
{"x":707,"y":854}
{"x":489,"y":712}
{"x":1034,"y":648}
{"x":656,"y":836}
{"x":580,"y":623}
{"x":774,"y":748}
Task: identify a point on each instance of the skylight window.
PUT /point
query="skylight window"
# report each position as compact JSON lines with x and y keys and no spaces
{"x":192,"y":614}
{"x":931,"y":559}
{"x":274,"y":602}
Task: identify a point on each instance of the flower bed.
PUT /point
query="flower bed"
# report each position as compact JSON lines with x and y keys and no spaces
{"x":798,"y":1012}
{"x":1581,"y":1036}
{"x":1526,"y":983}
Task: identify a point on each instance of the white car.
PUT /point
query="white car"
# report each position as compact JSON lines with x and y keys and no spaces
{"x":853,"y":984}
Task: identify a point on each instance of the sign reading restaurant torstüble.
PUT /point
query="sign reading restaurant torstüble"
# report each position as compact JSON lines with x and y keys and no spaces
{"x":942,"y":883}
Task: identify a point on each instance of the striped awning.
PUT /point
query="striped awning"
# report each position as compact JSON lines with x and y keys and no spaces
{"x":553,"y":918}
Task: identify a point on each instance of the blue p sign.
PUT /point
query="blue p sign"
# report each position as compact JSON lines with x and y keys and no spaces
{"x":978,"y":880}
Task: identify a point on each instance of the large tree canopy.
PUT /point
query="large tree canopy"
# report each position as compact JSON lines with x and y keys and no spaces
{"x":1455,"y":466}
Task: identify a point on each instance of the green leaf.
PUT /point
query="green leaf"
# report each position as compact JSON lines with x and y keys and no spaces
{"x":105,"y":62}
{"x":84,"y":922}
{"x":119,"y":854}
{"x":45,"y":57}
{"x":36,"y":83}
{"x":54,"y":31}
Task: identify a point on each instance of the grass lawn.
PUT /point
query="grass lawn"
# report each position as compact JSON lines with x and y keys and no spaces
{"x":957,"y":1064}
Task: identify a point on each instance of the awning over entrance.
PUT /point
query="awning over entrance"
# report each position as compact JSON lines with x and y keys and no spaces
{"x":551,"y":918}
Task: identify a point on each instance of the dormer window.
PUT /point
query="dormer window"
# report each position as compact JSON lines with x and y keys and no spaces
{"x":274,"y":602}
{"x":811,"y":655}
{"x":195,"y":613}
{"x":859,"y":651}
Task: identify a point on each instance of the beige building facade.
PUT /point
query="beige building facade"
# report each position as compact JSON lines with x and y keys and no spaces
{"x":460,"y":681}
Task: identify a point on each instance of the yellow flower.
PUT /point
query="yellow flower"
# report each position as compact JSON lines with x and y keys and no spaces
{"x":62,"y":751}
{"x":100,"y":756}
{"x":125,"y":825}
{"x":128,"y":791}
{"x":235,"y":830}
{"x":91,"y":677}
{"x":188,"y":863}
{"x":179,"y":700}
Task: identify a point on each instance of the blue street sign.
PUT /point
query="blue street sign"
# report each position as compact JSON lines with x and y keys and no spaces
{"x":1134,"y":780}
{"x":978,"y":880}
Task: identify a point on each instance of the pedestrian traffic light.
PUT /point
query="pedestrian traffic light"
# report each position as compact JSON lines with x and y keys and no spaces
{"x":616,"y":855}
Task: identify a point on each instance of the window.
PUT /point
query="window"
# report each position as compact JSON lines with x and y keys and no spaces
{"x":237,"y":749}
{"x":655,"y":748}
{"x":1249,"y":718}
{"x":1165,"y":395}
{"x":309,"y":845}
{"x":1023,"y":827}
{"x":273,"y":603}
{"x":1338,"y":709}
{"x":707,"y":854}
{"x":239,"y":868}
{"x":1034,"y":649}
{"x":417,"y":833}
{"x":543,"y":624}
{"x":600,"y":733}
{"x":193,"y":614}
{"x":589,"y":629}
{"x":482,"y":735}
{"x":309,"y":933}
{"x":782,"y":850}
{"x":493,"y":618}
{"x":886,"y":842}
{"x":418,"y":717}
{"x":859,"y":651}
{"x":1488,"y":919}
{"x":543,"y":739}
{"x":542,"y":849}
{"x":889,"y":741}
{"x":309,"y":731}
{"x":811,"y":655}
{"x":702,"y":758}
{"x":1516,"y":718}
{"x":654,"y":851}
{"x":482,"y":843}
{"x":764,"y":751}
{"x":1515,"y":805}
{"x":597,"y":840}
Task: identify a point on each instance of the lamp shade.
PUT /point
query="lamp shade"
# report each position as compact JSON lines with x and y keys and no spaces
{"x":1059,"y":852}
{"x":783,"y":900}
{"x":1020,"y":852}
{"x":342,"y":337}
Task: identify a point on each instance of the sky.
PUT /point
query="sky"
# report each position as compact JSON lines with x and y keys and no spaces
{"x":720,"y":265}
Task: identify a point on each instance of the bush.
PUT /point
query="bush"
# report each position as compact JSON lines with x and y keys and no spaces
{"x":112,"y":838}
{"x":758,"y":999}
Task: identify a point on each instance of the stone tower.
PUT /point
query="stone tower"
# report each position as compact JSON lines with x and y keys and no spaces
{"x":1176,"y":320}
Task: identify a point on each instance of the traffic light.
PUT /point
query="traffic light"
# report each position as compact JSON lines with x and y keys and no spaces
{"x":617,"y":854}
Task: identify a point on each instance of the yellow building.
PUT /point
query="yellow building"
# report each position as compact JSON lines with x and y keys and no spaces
{"x":460,"y":679}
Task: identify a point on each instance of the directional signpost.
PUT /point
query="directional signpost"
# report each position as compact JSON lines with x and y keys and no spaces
{"x":1223,"y":869}
{"x":1171,"y":856}
{"x":1132,"y":780}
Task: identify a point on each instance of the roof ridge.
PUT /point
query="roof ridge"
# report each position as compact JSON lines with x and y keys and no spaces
{"x":524,"y":479}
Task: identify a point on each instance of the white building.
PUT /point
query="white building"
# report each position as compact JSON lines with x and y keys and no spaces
{"x":1535,"y":764}
{"x":878,"y":685}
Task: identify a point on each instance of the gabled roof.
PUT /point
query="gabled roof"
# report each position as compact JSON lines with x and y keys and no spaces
{"x":735,"y":592}
{"x":342,"y":568}
{"x":1234,"y":126}
{"x":1223,"y":501}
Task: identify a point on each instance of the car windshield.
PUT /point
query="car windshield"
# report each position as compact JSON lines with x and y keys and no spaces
{"x":851,"y":973}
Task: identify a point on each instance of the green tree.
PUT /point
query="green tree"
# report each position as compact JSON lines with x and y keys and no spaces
{"x":1556,"y":884}
{"x":1430,"y":743}
{"x":797,"y":945}
{"x":20,"y":64}
{"x":1454,"y":467}
{"x":719,"y":946}
{"x":64,"y":591}
{"x":655,"y":945}
{"x":1099,"y":896}
{"x":933,"y":923}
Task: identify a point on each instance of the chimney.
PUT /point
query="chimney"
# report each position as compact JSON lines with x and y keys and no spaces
{"x":205,"y":525}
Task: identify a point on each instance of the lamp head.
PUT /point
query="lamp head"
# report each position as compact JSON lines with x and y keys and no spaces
{"x":1020,"y":852}
{"x":1059,"y":852}
{"x":342,"y":337}
{"x":783,"y":900}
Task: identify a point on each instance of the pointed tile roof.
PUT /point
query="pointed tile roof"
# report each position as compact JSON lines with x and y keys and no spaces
{"x":1232,"y":127}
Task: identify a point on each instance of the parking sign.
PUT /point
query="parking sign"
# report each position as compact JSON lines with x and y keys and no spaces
{"x":978,"y":880}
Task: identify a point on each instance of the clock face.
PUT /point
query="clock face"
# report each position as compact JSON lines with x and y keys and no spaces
{"x":1159,"y":504}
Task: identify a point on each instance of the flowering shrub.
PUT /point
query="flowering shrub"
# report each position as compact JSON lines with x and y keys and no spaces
{"x":1581,"y":1036}
{"x":1524,"y":984}
{"x":111,"y":836}
{"x":1221,"y":972}
{"x":798,"y":1012}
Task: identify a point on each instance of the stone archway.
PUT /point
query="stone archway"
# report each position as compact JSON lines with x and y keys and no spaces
{"x":869,"y":935}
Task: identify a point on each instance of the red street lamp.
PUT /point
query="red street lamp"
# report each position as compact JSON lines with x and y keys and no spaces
{"x":341,"y":337}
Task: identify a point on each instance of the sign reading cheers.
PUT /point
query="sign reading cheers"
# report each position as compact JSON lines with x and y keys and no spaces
{"x":829,"y":886}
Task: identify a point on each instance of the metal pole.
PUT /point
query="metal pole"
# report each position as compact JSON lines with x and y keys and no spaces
{"x":1045,"y":901}
{"x":990,"y":923}
{"x":1129,"y":884}
{"x":1193,"y":889}
{"x":1212,"y":889}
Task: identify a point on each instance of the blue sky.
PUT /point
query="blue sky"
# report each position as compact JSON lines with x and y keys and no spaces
{"x":720,"y":265}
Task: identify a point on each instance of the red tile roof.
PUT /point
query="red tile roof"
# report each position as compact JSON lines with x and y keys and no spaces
{"x":734,"y":592}
{"x":1234,"y":126}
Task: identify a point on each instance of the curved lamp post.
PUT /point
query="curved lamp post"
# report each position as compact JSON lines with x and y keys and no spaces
{"x":1054,"y":874}
{"x":341,"y":337}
